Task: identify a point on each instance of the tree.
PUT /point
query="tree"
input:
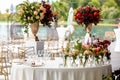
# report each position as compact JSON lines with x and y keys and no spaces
{"x":117,"y":2}
{"x":95,"y":3}
{"x":110,"y":3}
{"x":110,"y":12}
{"x":74,"y":3}
{"x":84,"y":2}
{"x":62,"y":8}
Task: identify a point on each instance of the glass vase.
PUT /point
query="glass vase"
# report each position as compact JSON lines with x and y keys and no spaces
{"x":101,"y":61}
{"x":81,"y":61}
{"x":74,"y":63}
{"x":97,"y":62}
{"x":85,"y":63}
{"x":65,"y":62}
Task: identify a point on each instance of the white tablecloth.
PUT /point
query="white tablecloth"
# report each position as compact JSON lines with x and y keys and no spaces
{"x":49,"y":72}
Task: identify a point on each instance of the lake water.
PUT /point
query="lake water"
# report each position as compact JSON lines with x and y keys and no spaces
{"x":17,"y":31}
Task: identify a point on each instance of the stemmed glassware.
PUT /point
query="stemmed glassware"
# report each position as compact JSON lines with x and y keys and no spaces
{"x":43,"y":55}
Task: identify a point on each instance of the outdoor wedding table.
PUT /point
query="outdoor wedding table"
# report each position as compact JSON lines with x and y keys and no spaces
{"x":52,"y":70}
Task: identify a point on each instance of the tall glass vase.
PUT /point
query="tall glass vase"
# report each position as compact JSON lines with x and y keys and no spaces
{"x":88,"y":34}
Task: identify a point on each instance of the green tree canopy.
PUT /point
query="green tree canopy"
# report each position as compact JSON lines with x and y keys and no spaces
{"x":62,"y":8}
{"x":117,"y":2}
{"x":95,"y":3}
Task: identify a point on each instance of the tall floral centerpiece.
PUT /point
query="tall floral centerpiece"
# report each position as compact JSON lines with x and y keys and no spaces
{"x":33,"y":13}
{"x":87,"y":15}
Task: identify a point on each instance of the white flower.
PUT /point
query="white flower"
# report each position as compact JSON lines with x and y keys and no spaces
{"x":31,"y":11}
{"x":24,"y":19}
{"x":41,"y":16}
{"x":32,"y":7}
{"x":37,"y":17}
{"x":38,"y":10}
{"x":41,"y":7}
{"x":20,"y":11}
{"x":35,"y":12}
{"x":25,"y":8}
{"x":37,"y":4}
{"x":27,"y":12}
{"x":28,"y":18}
{"x":31,"y":18}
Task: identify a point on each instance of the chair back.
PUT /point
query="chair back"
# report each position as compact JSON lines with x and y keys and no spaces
{"x":24,"y":52}
{"x":3,"y":67}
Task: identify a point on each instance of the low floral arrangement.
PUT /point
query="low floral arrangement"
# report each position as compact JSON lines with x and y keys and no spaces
{"x":100,"y":49}
{"x":28,"y":13}
{"x":87,"y":14}
{"x":96,"y":52}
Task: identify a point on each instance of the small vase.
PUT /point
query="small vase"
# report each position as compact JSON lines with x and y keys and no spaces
{"x":74,"y":63}
{"x":97,"y":63}
{"x":81,"y":61}
{"x":34,"y":29}
{"x":65,"y":62}
{"x":85,"y":63}
{"x":88,"y":33}
{"x":101,"y":61}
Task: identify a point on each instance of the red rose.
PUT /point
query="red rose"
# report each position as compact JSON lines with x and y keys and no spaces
{"x":97,"y":53}
{"x":106,"y":42}
{"x":89,"y":14}
{"x":98,"y":48}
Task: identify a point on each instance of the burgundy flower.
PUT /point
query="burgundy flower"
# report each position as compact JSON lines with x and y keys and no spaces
{"x":48,"y":15}
{"x":87,"y":14}
{"x":106,"y":42}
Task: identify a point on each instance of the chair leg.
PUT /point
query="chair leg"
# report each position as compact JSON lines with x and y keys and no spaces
{"x":5,"y":78}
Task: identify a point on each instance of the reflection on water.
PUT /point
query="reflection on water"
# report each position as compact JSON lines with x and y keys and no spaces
{"x":16,"y":31}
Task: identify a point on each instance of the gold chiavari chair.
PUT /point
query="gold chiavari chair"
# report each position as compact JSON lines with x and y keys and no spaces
{"x":4,"y":49}
{"x":23,"y":52}
{"x":5,"y":56}
{"x":4,"y":68}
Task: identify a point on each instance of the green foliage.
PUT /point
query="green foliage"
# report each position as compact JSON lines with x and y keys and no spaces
{"x":74,"y":3}
{"x":109,"y":77}
{"x":78,"y":46}
{"x":66,"y":56}
{"x":117,"y":2}
{"x":62,"y":8}
{"x":109,"y":8}
{"x":110,"y":12}
{"x":84,"y":2}
{"x":110,"y":3}
{"x":95,"y":3}
{"x":26,"y":30}
{"x":30,"y":12}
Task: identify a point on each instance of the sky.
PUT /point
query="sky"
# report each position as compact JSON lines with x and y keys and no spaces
{"x":6,"y":4}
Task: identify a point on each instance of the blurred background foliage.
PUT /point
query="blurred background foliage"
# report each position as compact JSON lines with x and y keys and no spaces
{"x":110,"y":9}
